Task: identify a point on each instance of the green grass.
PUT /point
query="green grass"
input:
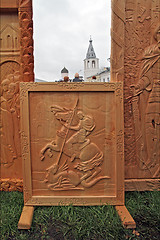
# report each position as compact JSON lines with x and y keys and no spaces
{"x":69,"y":222}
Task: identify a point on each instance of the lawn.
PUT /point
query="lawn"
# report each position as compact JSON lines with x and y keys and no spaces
{"x":70,"y":222}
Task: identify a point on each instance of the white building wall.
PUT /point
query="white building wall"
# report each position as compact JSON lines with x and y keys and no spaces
{"x":105,"y":77}
{"x":91,"y":67}
{"x":64,"y":75}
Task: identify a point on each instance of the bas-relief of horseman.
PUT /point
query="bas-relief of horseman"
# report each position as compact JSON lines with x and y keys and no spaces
{"x":149,"y":81}
{"x":77,"y":146}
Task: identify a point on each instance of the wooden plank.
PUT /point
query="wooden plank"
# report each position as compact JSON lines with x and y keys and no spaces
{"x":25,"y":220}
{"x":9,"y":4}
{"x":126,"y":218}
{"x":142,"y":184}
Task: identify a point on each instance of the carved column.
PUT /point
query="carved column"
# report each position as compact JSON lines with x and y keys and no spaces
{"x":26,"y":40}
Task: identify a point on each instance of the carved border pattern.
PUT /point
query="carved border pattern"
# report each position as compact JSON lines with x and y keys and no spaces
{"x":9,"y":185}
{"x":71,"y":86}
{"x":26,"y":40}
{"x":24,"y":140}
{"x":25,"y":155}
{"x":120,"y":137}
{"x":117,"y":40}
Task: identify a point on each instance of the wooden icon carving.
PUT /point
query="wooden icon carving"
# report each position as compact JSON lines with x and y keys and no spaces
{"x":72,"y":143}
{"x":77,"y":147}
{"x":135,"y":60}
{"x":10,"y":120}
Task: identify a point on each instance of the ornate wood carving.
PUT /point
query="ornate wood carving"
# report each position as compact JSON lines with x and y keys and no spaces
{"x":117,"y":40}
{"x":72,"y":143}
{"x":141,"y":89}
{"x":139,"y":40}
{"x":10,"y":117}
{"x":9,"y":185}
{"x":10,"y":106}
{"x":16,"y":65}
{"x":26,"y":40}
{"x":133,"y":30}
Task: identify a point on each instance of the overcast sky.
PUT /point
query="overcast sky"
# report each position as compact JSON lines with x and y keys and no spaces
{"x":62,"y":30}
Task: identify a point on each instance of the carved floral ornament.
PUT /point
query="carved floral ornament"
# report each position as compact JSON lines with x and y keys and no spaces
{"x":25,"y":87}
{"x":25,"y":4}
{"x":11,"y":185}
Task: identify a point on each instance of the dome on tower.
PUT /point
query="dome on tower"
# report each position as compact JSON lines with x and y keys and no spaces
{"x":90,"y":52}
{"x":64,"y":70}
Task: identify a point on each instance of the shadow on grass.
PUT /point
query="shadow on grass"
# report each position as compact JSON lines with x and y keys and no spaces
{"x":71,"y":222}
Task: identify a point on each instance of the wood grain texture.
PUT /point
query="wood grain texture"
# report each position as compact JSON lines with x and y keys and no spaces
{"x":16,"y":65}
{"x":26,"y":40}
{"x":9,"y":5}
{"x":72,"y":143}
{"x":126,"y":219}
{"x":134,"y":24}
{"x":142,"y":184}
{"x":25,"y":220}
{"x":9,"y":185}
{"x":135,"y":53}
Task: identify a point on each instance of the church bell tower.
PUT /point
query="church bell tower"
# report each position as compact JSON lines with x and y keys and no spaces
{"x":91,"y":63}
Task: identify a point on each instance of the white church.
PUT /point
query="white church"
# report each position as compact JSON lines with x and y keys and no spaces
{"x":92,"y":72}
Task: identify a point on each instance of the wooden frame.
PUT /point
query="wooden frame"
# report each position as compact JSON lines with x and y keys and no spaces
{"x":28,"y":90}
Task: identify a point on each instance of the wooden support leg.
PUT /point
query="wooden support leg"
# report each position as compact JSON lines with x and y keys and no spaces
{"x":126,"y":218}
{"x":25,"y":220}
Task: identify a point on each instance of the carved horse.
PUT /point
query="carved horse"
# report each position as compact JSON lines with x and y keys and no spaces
{"x":90,"y":156}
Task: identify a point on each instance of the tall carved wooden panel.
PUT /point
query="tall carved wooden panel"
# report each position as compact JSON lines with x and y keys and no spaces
{"x":141,"y":92}
{"x":16,"y":65}
{"x":117,"y":36}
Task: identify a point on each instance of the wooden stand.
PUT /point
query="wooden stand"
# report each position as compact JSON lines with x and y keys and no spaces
{"x":25,"y":220}
{"x":27,"y":215}
{"x":126,"y":218}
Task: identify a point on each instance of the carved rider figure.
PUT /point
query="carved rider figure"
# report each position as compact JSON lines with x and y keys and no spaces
{"x":150,"y":81}
{"x":84,"y":127}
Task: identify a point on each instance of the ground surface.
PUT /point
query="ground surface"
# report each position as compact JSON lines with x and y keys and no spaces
{"x":76,"y":223}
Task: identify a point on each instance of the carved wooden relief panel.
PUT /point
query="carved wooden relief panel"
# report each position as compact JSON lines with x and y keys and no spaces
{"x":16,"y":65}
{"x":117,"y":40}
{"x":72,"y":143}
{"x":141,"y":89}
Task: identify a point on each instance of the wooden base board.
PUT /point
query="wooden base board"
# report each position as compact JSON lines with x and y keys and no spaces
{"x":142,"y":184}
{"x":25,"y":220}
{"x":126,"y":218}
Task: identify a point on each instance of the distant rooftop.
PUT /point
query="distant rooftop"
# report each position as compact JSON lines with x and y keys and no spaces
{"x":39,"y":80}
{"x":90,"y":52}
{"x":64,"y":70}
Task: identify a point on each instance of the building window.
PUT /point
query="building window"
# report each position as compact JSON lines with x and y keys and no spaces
{"x":93,"y":64}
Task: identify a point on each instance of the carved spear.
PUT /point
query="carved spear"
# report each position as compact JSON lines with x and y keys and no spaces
{"x":59,"y":157}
